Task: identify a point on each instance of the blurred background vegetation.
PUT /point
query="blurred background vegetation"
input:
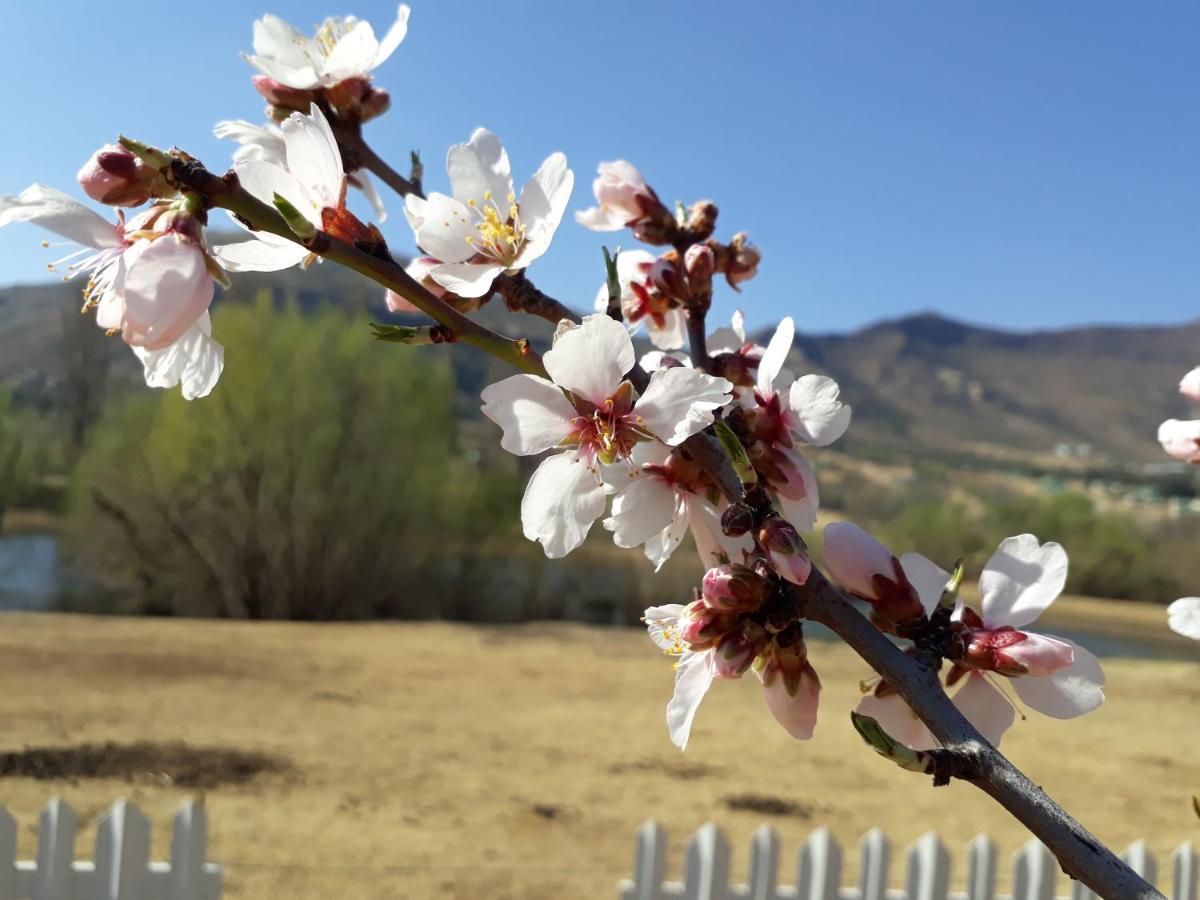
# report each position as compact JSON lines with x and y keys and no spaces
{"x":333,"y":477}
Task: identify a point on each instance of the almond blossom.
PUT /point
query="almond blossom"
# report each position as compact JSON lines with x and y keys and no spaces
{"x":623,"y":197}
{"x":596,"y":418}
{"x":642,"y":303}
{"x":1183,"y":616}
{"x":1189,"y":385}
{"x":484,"y":228}
{"x":1181,"y":439}
{"x":1050,"y":674}
{"x":343,"y":47}
{"x":150,"y":280}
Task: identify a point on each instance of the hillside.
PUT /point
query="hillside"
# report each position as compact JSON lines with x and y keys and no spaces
{"x":917,"y":383}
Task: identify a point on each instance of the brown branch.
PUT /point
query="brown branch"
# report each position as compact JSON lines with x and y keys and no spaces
{"x":521,"y":295}
{"x":357,"y":154}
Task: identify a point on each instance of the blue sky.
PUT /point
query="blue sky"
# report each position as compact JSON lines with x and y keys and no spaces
{"x":1021,"y":164}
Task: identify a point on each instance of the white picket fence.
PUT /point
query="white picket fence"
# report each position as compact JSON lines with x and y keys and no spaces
{"x":819,"y":870}
{"x":122,"y":869}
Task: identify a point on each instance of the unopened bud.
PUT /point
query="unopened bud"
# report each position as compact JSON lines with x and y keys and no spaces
{"x":665,"y":277}
{"x":866,"y":568}
{"x":281,"y":96}
{"x":115,"y":176}
{"x":737,"y":520}
{"x":738,"y":649}
{"x":792,"y":687}
{"x":734,"y":588}
{"x":741,"y":261}
{"x":699,"y":263}
{"x":785,"y":550}
{"x":375,"y":104}
{"x":702,"y":219}
{"x":702,"y":627}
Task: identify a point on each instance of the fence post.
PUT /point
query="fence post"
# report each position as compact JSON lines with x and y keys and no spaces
{"x":928,"y":869}
{"x":649,"y":868}
{"x":820,"y":871}
{"x":764,"y":864}
{"x":8,"y":855}
{"x":981,"y":868}
{"x":1186,"y":864}
{"x":706,"y":865}
{"x":54,"y":879}
{"x":1035,"y":871}
{"x":122,"y":853}
{"x":1141,"y":860}
{"x":190,"y":876}
{"x":875,"y":853}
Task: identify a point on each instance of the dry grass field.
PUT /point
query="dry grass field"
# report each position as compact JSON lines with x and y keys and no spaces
{"x":448,"y":761}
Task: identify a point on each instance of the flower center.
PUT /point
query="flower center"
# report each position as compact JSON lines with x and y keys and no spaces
{"x":500,"y":233}
{"x":328,"y":35}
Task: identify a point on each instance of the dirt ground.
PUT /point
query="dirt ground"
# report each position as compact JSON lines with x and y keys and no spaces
{"x":449,"y":761}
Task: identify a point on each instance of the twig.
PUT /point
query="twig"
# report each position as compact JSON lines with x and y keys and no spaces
{"x":358,"y":154}
{"x":520,"y":295}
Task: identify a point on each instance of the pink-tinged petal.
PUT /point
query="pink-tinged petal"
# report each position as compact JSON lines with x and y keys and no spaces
{"x":1020,"y":580}
{"x":1189,"y":385}
{"x":797,"y":713}
{"x":662,"y":624}
{"x":985,"y":708}
{"x":598,"y":219}
{"x":466,"y":279}
{"x":394,"y":37}
{"x":853,"y":557}
{"x":928,"y":578}
{"x":817,"y":416}
{"x":713,"y":545}
{"x":673,"y":333}
{"x":443,"y":227}
{"x":195,"y":362}
{"x":693,"y":677}
{"x":591,"y":359}
{"x":353,"y":55}
{"x":532,"y":412}
{"x":313,"y":156}
{"x":679,"y":402}
{"x":562,"y":500}
{"x":775,"y":356}
{"x":479,"y":170}
{"x":167,"y":289}
{"x":1183,"y":616}
{"x":56,"y":212}
{"x":641,"y":511}
{"x":1181,"y":439}
{"x":264,"y":180}
{"x":1067,"y":693}
{"x":259,"y":255}
{"x":1038,"y":655}
{"x":898,"y":720}
{"x":799,"y":496}
{"x":543,"y":202}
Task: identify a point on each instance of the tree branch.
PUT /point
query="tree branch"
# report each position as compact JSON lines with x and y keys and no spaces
{"x":520,"y":295}
{"x":359,"y":155}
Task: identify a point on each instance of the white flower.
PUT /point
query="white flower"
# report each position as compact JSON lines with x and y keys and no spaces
{"x":1061,"y":679}
{"x":1189,"y":385}
{"x":484,"y":229}
{"x":267,"y":143}
{"x":694,"y":672}
{"x":1181,"y":439}
{"x":589,"y":409}
{"x":1183,"y":616}
{"x":657,"y":503}
{"x":148,"y":279}
{"x":309,"y":175}
{"x":343,"y":47}
{"x":642,"y":303}
{"x":623,"y":196}
{"x":804,"y":411}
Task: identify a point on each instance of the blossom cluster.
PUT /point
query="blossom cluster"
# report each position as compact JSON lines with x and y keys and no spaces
{"x":1181,"y":439}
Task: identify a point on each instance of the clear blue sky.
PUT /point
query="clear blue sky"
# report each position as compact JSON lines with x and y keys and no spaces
{"x":1022,"y":164}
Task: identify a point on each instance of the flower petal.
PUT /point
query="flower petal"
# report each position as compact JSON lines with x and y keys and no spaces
{"x":658,"y":549}
{"x":896,"y":717}
{"x":1183,"y":616}
{"x":644,"y":509}
{"x":927,"y":578}
{"x":693,"y":676}
{"x":442,"y":227}
{"x":662,"y":624}
{"x":1020,"y":580}
{"x":313,"y":156}
{"x":713,"y":545}
{"x":195,"y":361}
{"x":817,"y":416}
{"x":597,"y":218}
{"x":479,"y":170}
{"x":796,"y":713}
{"x":543,"y":202}
{"x":55,"y":211}
{"x":259,"y":255}
{"x":264,"y":180}
{"x":395,"y":35}
{"x":467,"y":279}
{"x":353,"y":55}
{"x":673,"y":333}
{"x":985,"y":708}
{"x":679,"y":402}
{"x":591,"y":359}
{"x":775,"y":356}
{"x":167,"y":289}
{"x":1067,"y":693}
{"x":562,"y":500}
{"x":532,"y":412}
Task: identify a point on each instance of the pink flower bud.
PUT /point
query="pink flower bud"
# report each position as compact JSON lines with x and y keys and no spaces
{"x":282,"y":96}
{"x":1190,"y":385}
{"x":115,"y":176}
{"x":1181,"y":439}
{"x":792,"y":688}
{"x":734,"y":588}
{"x":1011,"y":652}
{"x":738,"y":649}
{"x":702,"y":627}
{"x":665,"y":277}
{"x":699,"y":262}
{"x":855,"y":558}
{"x":743,"y":260}
{"x":375,"y":104}
{"x":785,"y":550}
{"x":623,"y":194}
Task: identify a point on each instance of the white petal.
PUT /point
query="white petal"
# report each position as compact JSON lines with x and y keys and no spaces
{"x":654,"y":360}
{"x":673,"y":333}
{"x":363,"y":182}
{"x":641,"y":511}
{"x":1183,"y":616}
{"x":661,"y":621}
{"x":258,"y":255}
{"x":543,"y":202}
{"x":985,"y":707}
{"x":1020,"y":580}
{"x":775,"y":356}
{"x":562,"y":500}
{"x":261,"y":142}
{"x":679,"y":402}
{"x":1067,"y":693}
{"x":532,"y":412}
{"x":480,"y":168}
{"x":600,"y":219}
{"x":264,"y":180}
{"x":394,"y":36}
{"x":818,"y":417}
{"x":313,"y":156}
{"x":283,"y":53}
{"x":658,"y":549}
{"x":693,"y":676}
{"x":167,"y":288}
{"x":466,"y":279}
{"x":928,"y":578}
{"x":55,"y":211}
{"x":443,"y":226}
{"x":195,"y":361}
{"x":896,"y":717}
{"x":591,"y":360}
{"x":353,"y":55}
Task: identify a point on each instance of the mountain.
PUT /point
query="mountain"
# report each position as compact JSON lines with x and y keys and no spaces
{"x":919,"y":384}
